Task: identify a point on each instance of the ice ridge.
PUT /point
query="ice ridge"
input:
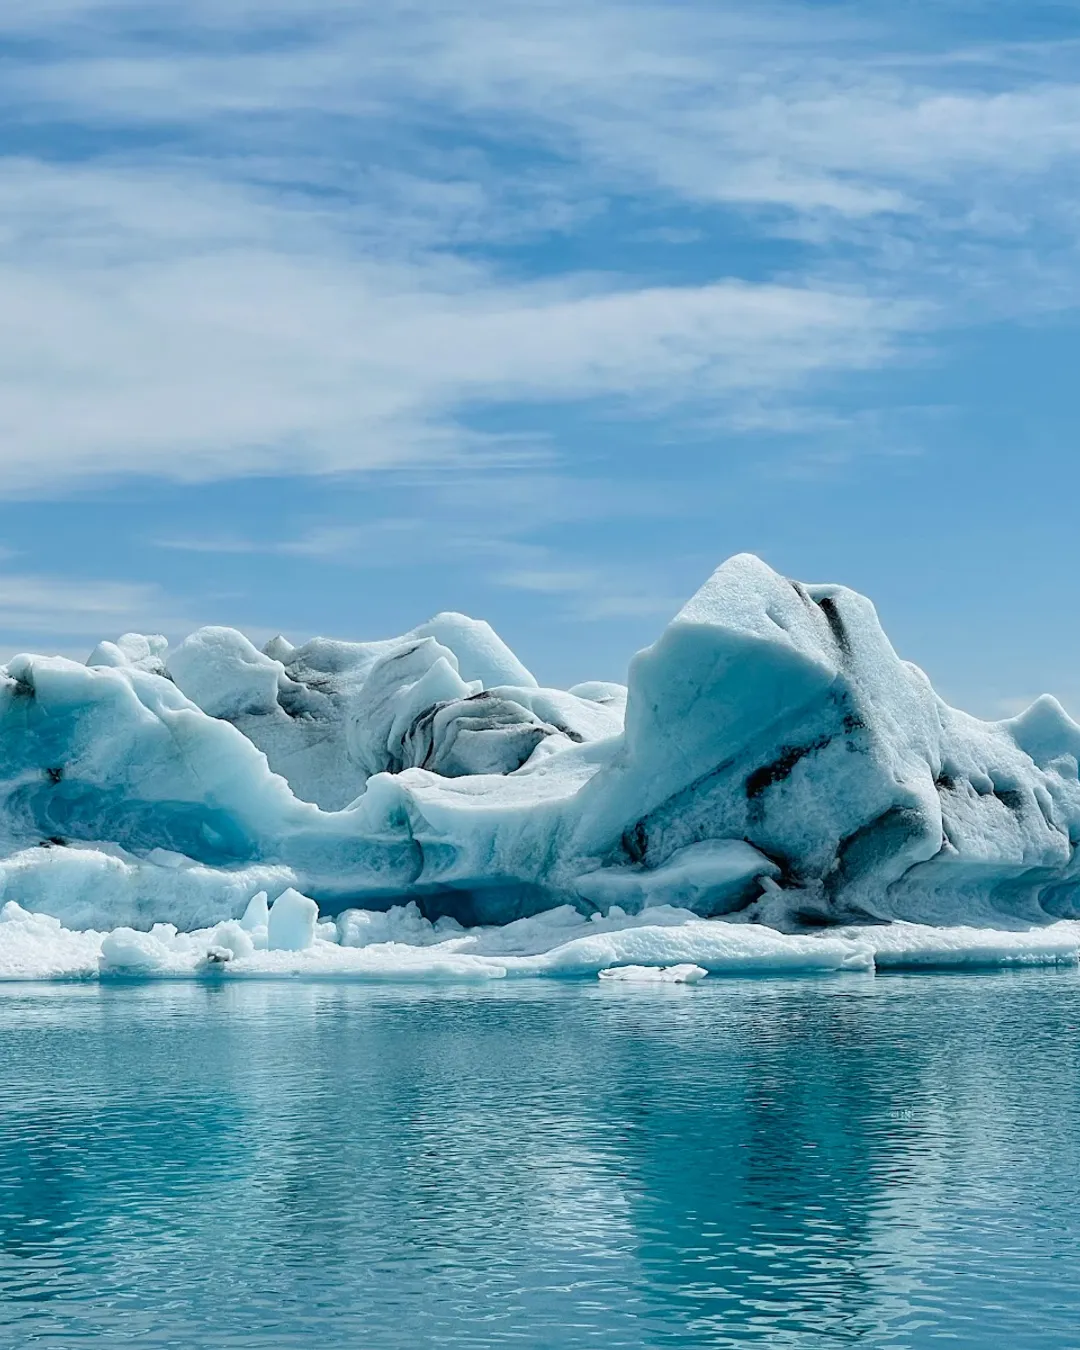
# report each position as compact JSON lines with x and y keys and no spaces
{"x":770,"y":760}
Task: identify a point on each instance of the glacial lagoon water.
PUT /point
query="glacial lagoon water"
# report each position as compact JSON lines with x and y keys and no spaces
{"x":817,"y":1162}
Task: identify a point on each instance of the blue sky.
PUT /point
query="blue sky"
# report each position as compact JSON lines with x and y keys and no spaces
{"x":318,"y":317}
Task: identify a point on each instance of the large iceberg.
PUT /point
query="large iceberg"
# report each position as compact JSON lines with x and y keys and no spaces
{"x":771,"y":761}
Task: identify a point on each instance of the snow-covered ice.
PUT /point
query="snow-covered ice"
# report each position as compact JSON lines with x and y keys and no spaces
{"x":772,"y":773}
{"x":664,"y":945}
{"x":684,"y":974}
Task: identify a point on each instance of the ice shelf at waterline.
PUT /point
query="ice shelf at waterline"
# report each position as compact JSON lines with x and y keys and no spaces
{"x":771,"y":759}
{"x":660,"y":945}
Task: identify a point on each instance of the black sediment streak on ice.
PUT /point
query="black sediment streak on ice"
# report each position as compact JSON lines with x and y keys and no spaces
{"x":322,"y":767}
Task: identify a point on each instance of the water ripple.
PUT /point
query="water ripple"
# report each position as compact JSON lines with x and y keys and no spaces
{"x":782,"y":1164}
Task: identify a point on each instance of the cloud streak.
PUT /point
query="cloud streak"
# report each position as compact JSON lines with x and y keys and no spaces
{"x":38,"y":604}
{"x":211,"y":332}
{"x":306,"y":238}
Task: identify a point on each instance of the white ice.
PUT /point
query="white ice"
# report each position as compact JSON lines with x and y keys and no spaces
{"x":684,"y":974}
{"x":772,"y":770}
{"x":290,"y":926}
{"x":665,"y":945}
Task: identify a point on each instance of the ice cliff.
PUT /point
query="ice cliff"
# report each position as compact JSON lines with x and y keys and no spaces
{"x":771,"y":759}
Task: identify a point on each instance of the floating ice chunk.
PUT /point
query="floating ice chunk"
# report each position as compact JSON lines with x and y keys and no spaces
{"x":720,"y":948}
{"x":291,"y":926}
{"x":911,"y":946}
{"x":712,"y":945}
{"x":381,"y":962}
{"x":660,"y":946}
{"x":255,"y":920}
{"x":127,"y":950}
{"x":234,"y":938}
{"x":257,"y":913}
{"x":681,"y":974}
{"x":543,"y":932}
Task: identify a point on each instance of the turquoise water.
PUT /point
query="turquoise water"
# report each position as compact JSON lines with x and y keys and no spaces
{"x":801,"y":1163}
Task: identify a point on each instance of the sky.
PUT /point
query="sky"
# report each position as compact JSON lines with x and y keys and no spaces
{"x":318,"y":317}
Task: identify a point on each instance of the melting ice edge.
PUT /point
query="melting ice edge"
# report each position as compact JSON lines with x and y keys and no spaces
{"x":774,"y":788}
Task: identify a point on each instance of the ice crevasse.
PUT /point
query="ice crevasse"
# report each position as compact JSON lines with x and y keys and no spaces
{"x":771,"y":762}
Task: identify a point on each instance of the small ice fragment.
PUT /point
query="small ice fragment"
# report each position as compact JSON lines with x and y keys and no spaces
{"x":291,"y":927}
{"x":232,"y":938}
{"x":681,"y":974}
{"x":129,"y":950}
{"x":257,"y":913}
{"x":216,"y":956}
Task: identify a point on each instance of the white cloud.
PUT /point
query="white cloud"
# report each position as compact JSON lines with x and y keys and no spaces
{"x":386,"y":540}
{"x":280,"y":283}
{"x":33,"y":604}
{"x":484,"y":518}
{"x":775,"y":105}
{"x":162,"y":324}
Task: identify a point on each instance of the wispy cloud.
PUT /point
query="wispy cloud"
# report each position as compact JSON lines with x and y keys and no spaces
{"x":591,"y":594}
{"x":490,"y":519}
{"x":33,"y":604}
{"x":342,"y":543}
{"x":778,"y":104}
{"x":288,"y":238}
{"x":161,"y":324}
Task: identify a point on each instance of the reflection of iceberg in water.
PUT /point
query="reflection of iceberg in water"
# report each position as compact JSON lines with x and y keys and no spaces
{"x":546,"y":1165}
{"x":755,"y":1204}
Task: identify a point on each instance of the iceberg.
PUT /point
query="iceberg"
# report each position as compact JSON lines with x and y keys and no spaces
{"x":772,"y":771}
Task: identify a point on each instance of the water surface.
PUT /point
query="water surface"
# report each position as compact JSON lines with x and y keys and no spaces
{"x":799,"y":1163}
